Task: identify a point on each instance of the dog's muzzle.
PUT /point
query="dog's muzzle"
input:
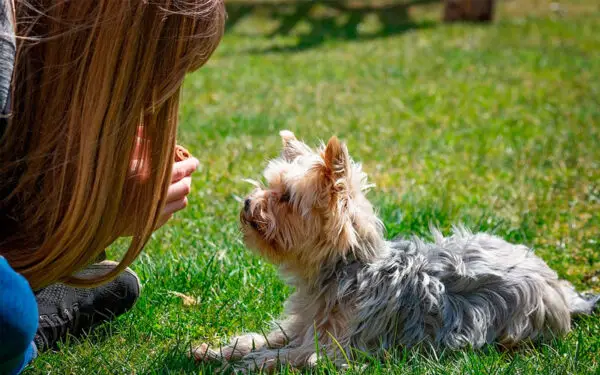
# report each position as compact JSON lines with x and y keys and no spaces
{"x":246,"y":216}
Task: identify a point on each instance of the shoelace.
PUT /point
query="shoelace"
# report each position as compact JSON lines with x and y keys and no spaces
{"x":60,"y":326}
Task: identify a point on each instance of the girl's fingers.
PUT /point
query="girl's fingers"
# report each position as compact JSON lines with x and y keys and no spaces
{"x":175,"y":206}
{"x":179,"y":189}
{"x":170,"y":209}
{"x":184,"y":168}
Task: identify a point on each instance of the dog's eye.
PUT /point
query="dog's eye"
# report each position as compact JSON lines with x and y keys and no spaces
{"x":285,"y":197}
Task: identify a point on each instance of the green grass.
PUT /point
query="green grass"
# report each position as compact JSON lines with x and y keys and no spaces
{"x":496,"y":126}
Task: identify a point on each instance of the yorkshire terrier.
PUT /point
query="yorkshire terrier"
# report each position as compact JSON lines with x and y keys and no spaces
{"x":356,"y":290}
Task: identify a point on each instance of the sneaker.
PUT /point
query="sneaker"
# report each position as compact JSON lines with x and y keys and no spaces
{"x":66,"y":310}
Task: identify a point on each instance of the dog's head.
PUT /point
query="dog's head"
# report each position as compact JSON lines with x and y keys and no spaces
{"x":312,"y":211}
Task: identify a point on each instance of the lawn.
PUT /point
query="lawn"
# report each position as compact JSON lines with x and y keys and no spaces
{"x":496,"y":126}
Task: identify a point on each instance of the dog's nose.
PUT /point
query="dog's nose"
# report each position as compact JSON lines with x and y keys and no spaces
{"x":247,"y":204}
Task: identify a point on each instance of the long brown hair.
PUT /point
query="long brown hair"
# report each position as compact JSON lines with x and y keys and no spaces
{"x":88,"y":75}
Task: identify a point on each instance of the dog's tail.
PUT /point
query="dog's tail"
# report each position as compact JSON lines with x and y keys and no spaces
{"x":594,"y":302}
{"x":581,"y":303}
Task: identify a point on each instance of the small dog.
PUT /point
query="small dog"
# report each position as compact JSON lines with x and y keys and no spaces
{"x":355,"y":290}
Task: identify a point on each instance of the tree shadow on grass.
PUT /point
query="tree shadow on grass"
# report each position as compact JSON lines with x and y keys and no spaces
{"x":327,"y":20}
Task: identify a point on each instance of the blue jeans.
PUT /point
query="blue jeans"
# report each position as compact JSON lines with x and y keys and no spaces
{"x":18,"y":321}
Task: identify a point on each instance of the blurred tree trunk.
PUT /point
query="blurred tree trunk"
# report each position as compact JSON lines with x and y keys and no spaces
{"x":468,"y":10}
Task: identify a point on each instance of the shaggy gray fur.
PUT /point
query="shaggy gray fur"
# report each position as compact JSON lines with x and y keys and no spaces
{"x":465,"y":290}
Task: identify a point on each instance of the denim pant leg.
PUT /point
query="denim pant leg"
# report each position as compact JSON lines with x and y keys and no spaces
{"x":18,"y":320}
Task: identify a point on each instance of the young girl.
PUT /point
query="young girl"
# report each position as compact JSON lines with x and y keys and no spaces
{"x":86,"y":155}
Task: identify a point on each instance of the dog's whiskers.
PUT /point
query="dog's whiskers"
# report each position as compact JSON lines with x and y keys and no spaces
{"x":252,"y":182}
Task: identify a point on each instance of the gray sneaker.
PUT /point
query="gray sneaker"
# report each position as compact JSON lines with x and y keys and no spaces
{"x":66,"y":310}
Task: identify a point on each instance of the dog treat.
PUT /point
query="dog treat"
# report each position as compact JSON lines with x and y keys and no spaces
{"x":181,"y":153}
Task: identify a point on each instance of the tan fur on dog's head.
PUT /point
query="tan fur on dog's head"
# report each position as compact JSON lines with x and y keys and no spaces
{"x":313,"y":211}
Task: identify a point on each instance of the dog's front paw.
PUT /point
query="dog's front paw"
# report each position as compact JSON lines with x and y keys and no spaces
{"x":264,"y":361}
{"x":203,"y":353}
{"x":267,"y":366}
{"x":272,"y":360}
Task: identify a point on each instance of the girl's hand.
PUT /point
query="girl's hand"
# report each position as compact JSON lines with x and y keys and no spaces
{"x":181,"y":180}
{"x":181,"y":183}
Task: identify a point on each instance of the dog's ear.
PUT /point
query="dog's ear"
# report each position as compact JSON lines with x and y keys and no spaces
{"x":337,"y":160}
{"x":292,"y":147}
{"x":337,"y":169}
